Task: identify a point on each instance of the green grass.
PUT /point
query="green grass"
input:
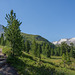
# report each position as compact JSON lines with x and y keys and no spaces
{"x":28,"y":64}
{"x":1,"y":46}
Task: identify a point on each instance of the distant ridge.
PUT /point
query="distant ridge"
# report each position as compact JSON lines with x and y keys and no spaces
{"x":68,"y":41}
{"x":39,"y":39}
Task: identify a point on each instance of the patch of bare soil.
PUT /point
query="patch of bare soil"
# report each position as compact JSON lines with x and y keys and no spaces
{"x":8,"y":70}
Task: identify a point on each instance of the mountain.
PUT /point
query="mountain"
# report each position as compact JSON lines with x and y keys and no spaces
{"x":39,"y":39}
{"x":30,"y":37}
{"x":68,"y":41}
{"x":1,"y":29}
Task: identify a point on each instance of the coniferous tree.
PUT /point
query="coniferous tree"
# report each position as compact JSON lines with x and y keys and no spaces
{"x":39,"y":52}
{"x":64,"y":59}
{"x":23,"y":45}
{"x":71,"y":51}
{"x":67,"y":56}
{"x":27,"y":46}
{"x":2,"y":39}
{"x":49,"y":52}
{"x":52,"y":52}
{"x":34,"y":48}
{"x":13,"y":33}
{"x":43,"y":49}
{"x":61,"y":52}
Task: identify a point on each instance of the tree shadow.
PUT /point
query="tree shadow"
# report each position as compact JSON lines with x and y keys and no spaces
{"x":27,"y":56}
{"x":50,"y":63}
{"x":26,"y":69}
{"x":55,"y":58}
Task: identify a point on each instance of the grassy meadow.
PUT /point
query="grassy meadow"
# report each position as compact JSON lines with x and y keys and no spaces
{"x":28,"y":64}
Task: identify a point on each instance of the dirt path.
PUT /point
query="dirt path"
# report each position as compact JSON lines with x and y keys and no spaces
{"x":6,"y":69}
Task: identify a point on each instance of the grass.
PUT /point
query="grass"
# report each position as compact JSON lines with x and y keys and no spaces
{"x":28,"y":64}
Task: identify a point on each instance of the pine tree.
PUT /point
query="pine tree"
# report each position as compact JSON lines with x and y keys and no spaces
{"x":43,"y":49}
{"x":61,"y":52}
{"x":39,"y":52}
{"x":27,"y":46}
{"x":52,"y":52}
{"x":71,"y":51}
{"x":64,"y":59}
{"x":67,"y":56}
{"x":55,"y":50}
{"x":2,"y":39}
{"x":34,"y":47}
{"x":49,"y":52}
{"x":13,"y":33}
{"x":23,"y":45}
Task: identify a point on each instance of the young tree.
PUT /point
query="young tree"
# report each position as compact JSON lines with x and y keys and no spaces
{"x":49,"y":52}
{"x":39,"y":52}
{"x":34,"y":47}
{"x":52,"y":52}
{"x":43,"y":49}
{"x":67,"y":56}
{"x":13,"y":33}
{"x":64,"y":59}
{"x":2,"y":39}
{"x":27,"y":46}
{"x":71,"y":51}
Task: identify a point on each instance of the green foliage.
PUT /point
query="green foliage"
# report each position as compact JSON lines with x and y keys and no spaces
{"x":37,"y":38}
{"x":2,"y":42}
{"x":67,"y":56}
{"x":43,"y":49}
{"x":39,"y":51}
{"x":13,"y":34}
{"x":27,"y":46}
{"x":6,"y":50}
{"x":49,"y":52}
{"x":64,"y":58}
{"x":34,"y":47}
{"x":52,"y":52}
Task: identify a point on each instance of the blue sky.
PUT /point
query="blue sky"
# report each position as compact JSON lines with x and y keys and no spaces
{"x":52,"y":19}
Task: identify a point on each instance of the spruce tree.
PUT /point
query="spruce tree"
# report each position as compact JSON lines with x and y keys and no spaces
{"x":34,"y":47}
{"x":39,"y":52}
{"x":13,"y":33}
{"x":27,"y":46}
{"x":71,"y":51}
{"x":52,"y":52}
{"x":64,"y":59}
{"x":2,"y":39}
{"x":67,"y":56}
{"x":47,"y":50}
{"x":43,"y":49}
{"x":23,"y":45}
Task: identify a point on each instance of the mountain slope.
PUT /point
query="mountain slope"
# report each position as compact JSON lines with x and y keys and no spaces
{"x":1,"y":29}
{"x":30,"y":37}
{"x":37,"y":38}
